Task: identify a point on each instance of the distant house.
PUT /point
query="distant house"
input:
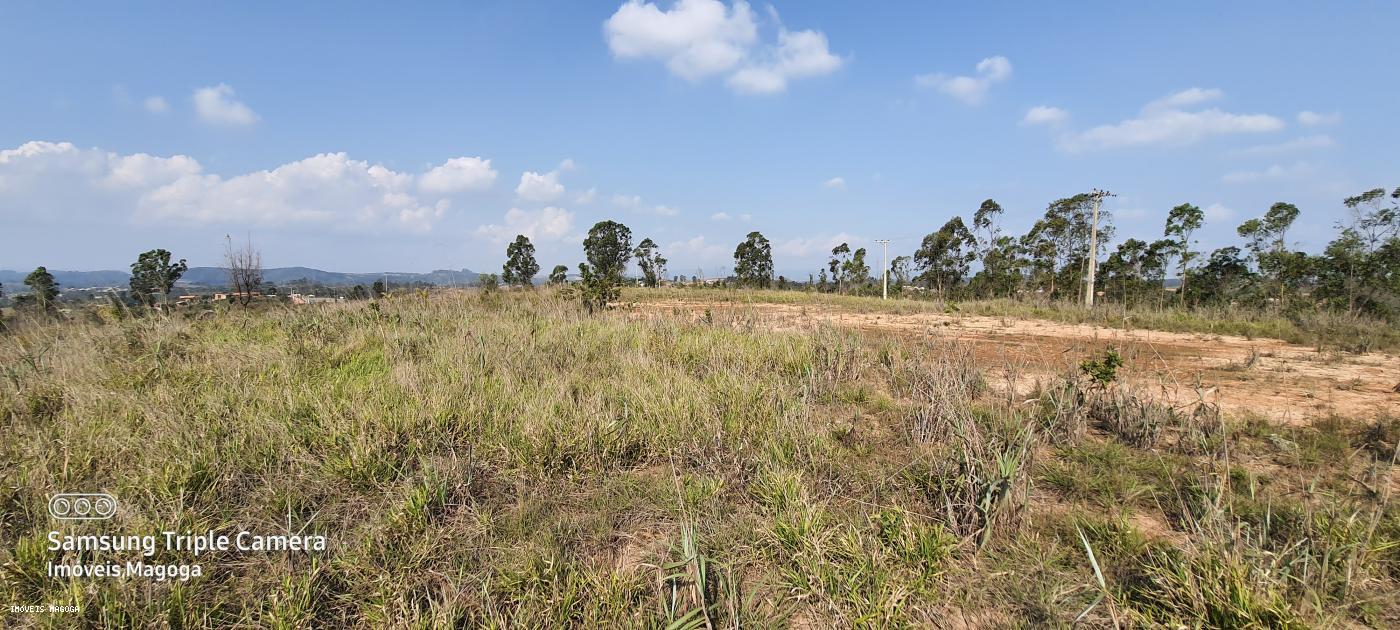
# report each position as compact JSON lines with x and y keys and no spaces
{"x":237,"y":294}
{"x":297,"y":298}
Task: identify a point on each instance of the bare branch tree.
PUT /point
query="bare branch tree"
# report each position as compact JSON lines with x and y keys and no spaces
{"x":244,"y":267}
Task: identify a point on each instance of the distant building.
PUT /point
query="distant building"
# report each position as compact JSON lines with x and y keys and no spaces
{"x":297,"y":298}
{"x":237,"y":294}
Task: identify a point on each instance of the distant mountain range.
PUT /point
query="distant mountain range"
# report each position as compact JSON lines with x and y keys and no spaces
{"x":218,"y":276}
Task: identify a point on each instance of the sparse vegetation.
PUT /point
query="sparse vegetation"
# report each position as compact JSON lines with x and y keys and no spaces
{"x":520,"y":461}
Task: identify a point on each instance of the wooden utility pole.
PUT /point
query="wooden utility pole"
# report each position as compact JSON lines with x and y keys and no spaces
{"x":1098,"y":196}
{"x":885,"y":265}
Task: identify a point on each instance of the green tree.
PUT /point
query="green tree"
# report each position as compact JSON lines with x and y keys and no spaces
{"x":520,"y":267}
{"x":488,"y":282}
{"x":1003,"y":268}
{"x":652,"y":264}
{"x":1268,"y":245}
{"x":358,"y":292}
{"x":1225,"y":276}
{"x":840,"y":258}
{"x":42,"y":287}
{"x":154,"y":275}
{"x":753,"y":261}
{"x":899,"y":270}
{"x":1354,"y":267}
{"x":378,"y":289}
{"x":985,"y":227}
{"x":608,"y":247}
{"x":855,"y":272}
{"x":1135,"y":270}
{"x":1182,"y":222}
{"x":559,"y":275}
{"x":944,"y":256}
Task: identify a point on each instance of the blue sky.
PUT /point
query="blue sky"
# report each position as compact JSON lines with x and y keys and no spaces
{"x":366,"y":137}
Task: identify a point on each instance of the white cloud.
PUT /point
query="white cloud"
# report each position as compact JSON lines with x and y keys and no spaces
{"x":1189,"y":97}
{"x":1217,"y":212}
{"x":1275,"y":171}
{"x":838,"y":183}
{"x":627,"y":201}
{"x":1314,"y":119}
{"x":701,"y":38}
{"x":1045,"y":115}
{"x":971,"y":90}
{"x":1305,"y":143}
{"x":567,"y":165}
{"x":587,"y":196}
{"x":548,"y":224}
{"x":156,"y":105}
{"x":330,"y":190}
{"x":458,"y":175}
{"x":539,"y":187}
{"x":634,"y":203}
{"x":1161,"y":122}
{"x":697,"y":249}
{"x":720,"y":216}
{"x":696,"y":38}
{"x":815,"y":245}
{"x":798,"y":55}
{"x":216,"y":105}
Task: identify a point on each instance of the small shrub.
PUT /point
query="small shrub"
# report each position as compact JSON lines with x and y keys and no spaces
{"x":1103,"y":371}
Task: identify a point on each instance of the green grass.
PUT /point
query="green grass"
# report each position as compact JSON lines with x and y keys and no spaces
{"x":508,"y":460}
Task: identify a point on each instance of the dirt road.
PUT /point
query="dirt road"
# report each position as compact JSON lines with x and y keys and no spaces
{"x":1285,"y":382}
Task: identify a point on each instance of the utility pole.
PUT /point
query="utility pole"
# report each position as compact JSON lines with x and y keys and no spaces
{"x":885,"y":266}
{"x":1098,"y":196}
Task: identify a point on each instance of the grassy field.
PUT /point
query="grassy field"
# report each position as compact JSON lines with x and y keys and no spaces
{"x":1321,"y":329}
{"x":507,"y":460}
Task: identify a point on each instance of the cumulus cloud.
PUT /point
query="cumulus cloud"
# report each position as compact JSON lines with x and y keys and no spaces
{"x":720,"y":216}
{"x":458,"y":175}
{"x":587,"y":196}
{"x":838,"y":183}
{"x":547,"y":224}
{"x":539,"y":187}
{"x":971,"y":90}
{"x":329,"y":190}
{"x":1276,"y":171}
{"x":702,"y":38}
{"x":1045,"y":115}
{"x":156,"y":105}
{"x":798,"y":55}
{"x":1305,"y":143}
{"x":1313,"y":119}
{"x":1165,"y":122}
{"x":215,"y":105}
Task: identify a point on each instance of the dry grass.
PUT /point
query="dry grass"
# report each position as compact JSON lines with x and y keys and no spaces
{"x":509,"y":460}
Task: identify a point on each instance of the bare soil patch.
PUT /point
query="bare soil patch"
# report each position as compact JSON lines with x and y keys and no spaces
{"x":1269,"y":377}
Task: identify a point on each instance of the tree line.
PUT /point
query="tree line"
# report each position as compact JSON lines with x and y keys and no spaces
{"x":1358,"y":272}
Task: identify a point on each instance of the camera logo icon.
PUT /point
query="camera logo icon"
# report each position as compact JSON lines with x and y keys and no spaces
{"x":82,"y":506}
